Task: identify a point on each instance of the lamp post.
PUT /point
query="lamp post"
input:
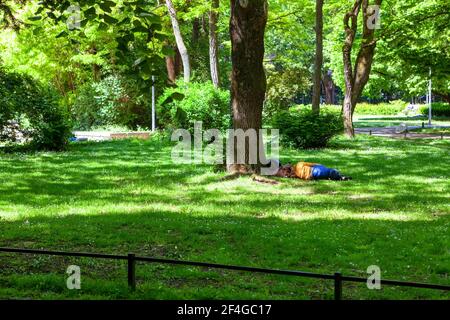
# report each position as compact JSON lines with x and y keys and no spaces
{"x":429,"y":100}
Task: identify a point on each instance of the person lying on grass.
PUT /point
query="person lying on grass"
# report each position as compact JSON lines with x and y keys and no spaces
{"x":310,"y":171}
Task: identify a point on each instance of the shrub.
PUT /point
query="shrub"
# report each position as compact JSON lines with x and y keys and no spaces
{"x":113,"y":101}
{"x":335,"y":109}
{"x":283,"y":86}
{"x":97,"y":104}
{"x":382,"y":109}
{"x":392,"y":108}
{"x":438,"y":109}
{"x":306,"y":130}
{"x":195,"y":102}
{"x":34,"y":110}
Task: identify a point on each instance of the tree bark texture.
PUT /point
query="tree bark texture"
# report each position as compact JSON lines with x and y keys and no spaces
{"x":329,"y":88}
{"x":318,"y":58}
{"x":248,"y":80}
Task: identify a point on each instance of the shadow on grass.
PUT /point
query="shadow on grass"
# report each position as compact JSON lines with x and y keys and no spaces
{"x":133,"y":198}
{"x":316,"y":245}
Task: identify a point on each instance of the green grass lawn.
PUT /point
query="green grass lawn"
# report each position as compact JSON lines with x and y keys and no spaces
{"x":390,"y":121}
{"x":127,"y":196}
{"x":432,"y":130}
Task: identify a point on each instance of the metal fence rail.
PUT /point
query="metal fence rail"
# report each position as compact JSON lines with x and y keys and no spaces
{"x":132,"y":259}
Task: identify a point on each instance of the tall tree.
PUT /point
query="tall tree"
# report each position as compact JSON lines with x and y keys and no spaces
{"x":319,"y":57}
{"x":248,"y":80}
{"x":213,"y":43}
{"x":356,"y":78}
{"x":179,"y":39}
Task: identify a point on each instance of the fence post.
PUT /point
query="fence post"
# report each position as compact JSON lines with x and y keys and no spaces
{"x":131,"y":271}
{"x":337,"y":286}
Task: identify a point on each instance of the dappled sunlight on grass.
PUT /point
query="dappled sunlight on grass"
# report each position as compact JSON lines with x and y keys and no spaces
{"x":126,"y":196}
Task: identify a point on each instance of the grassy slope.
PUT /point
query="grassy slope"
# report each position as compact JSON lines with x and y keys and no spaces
{"x":126,"y":196}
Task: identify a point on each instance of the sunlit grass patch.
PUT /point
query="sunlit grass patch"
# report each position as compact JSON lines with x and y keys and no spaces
{"x":128,"y":196}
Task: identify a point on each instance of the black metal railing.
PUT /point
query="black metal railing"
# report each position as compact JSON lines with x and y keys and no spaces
{"x":132,"y":259}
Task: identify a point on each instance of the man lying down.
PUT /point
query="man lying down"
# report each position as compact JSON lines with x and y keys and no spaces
{"x":310,"y":171}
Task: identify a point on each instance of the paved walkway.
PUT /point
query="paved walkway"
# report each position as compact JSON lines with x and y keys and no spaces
{"x":106,"y":135}
{"x":403,"y":132}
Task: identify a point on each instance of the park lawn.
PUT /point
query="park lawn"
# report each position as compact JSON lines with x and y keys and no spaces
{"x":127,"y":196}
{"x":432,"y":130}
{"x":393,"y":121}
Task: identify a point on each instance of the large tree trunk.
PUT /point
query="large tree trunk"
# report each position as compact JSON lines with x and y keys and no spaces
{"x":213,"y":44}
{"x":356,"y":79}
{"x":319,"y":58}
{"x":248,"y":80}
{"x":179,"y":39}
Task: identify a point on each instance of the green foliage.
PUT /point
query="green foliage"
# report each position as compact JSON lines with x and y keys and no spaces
{"x":97,"y":104}
{"x":130,"y":192}
{"x":438,"y":109}
{"x":283,"y":87}
{"x":386,"y":109}
{"x":36,"y":110}
{"x":305,"y":130}
{"x":199,"y":102}
{"x":392,"y":108}
{"x":132,"y":30}
{"x":110,"y":102}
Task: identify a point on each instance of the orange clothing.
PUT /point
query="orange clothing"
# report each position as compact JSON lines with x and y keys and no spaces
{"x":303,"y":170}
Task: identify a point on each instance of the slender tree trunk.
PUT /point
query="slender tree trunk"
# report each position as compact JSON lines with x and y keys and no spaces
{"x":356,"y":78}
{"x":248,"y":80}
{"x":170,"y":66}
{"x":213,"y":44}
{"x":173,"y":65}
{"x":319,"y":58}
{"x":329,"y":88}
{"x":179,"y":39}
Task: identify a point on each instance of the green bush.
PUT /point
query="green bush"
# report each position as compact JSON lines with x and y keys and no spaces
{"x":283,"y":86}
{"x":438,"y":109}
{"x":381,"y":109}
{"x":392,"y":108}
{"x":34,"y":109}
{"x":306,"y":130}
{"x":113,"y":101}
{"x":335,"y":109}
{"x":97,"y":103}
{"x":182,"y":106}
